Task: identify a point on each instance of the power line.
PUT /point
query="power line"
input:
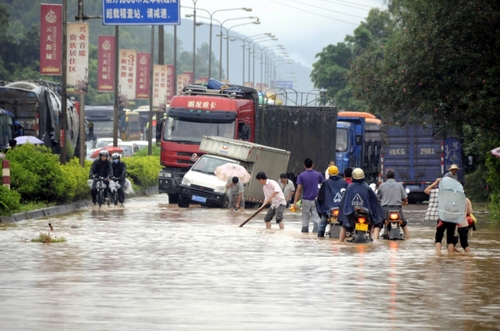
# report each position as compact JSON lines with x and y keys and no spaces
{"x":348,"y":4}
{"x":322,"y":8}
{"x":305,"y":11}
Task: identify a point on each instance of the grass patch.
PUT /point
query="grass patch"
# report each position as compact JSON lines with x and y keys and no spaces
{"x":47,"y":239}
{"x":34,"y":205}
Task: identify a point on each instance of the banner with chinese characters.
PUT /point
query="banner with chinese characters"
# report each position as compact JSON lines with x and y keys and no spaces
{"x":183,"y":80}
{"x":143,"y":76}
{"x":78,"y":57}
{"x":50,"y":39}
{"x":160,"y":91}
{"x":170,"y":81}
{"x":106,"y":64}
{"x":127,"y":75}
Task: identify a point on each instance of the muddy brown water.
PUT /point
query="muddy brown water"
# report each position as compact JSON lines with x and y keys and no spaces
{"x":153,"y":266}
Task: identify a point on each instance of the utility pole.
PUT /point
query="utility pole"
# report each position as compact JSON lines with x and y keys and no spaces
{"x":64,"y":95}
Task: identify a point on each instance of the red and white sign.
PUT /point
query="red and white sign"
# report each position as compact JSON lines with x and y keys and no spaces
{"x":170,"y":81}
{"x":160,"y":91}
{"x":182,"y":80}
{"x":106,"y":64}
{"x":50,"y":39}
{"x":78,"y":57}
{"x":143,"y":76}
{"x":127,"y":74}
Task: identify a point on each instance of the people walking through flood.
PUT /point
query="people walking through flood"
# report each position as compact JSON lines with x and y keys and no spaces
{"x":288,"y":189}
{"x":329,"y":196}
{"x":452,"y":172}
{"x":308,"y":182}
{"x":359,"y":194}
{"x":392,"y":196}
{"x":451,"y":210}
{"x":273,"y":195}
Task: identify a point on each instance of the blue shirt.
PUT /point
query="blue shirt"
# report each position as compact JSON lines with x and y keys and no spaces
{"x":310,"y":179}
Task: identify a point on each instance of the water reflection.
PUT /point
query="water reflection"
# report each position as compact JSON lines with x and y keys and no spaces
{"x":153,"y":266}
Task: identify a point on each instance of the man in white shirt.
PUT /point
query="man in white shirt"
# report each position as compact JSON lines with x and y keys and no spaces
{"x":273,"y":196}
{"x":288,"y":189}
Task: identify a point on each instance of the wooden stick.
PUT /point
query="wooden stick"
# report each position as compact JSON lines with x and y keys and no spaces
{"x":248,"y":219}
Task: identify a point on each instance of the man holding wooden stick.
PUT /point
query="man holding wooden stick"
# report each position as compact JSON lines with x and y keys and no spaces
{"x":273,"y":196}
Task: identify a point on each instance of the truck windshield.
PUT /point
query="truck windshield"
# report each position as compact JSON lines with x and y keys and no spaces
{"x":341,"y":140}
{"x":179,"y":130}
{"x":207,"y":164}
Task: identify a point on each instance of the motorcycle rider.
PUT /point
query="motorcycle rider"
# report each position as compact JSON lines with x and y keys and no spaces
{"x":119,"y":172}
{"x":329,"y":196}
{"x":392,"y":196}
{"x":101,"y":167}
{"x":359,"y":194}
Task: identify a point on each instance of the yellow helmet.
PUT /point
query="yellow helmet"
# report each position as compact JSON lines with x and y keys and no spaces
{"x":358,"y":173}
{"x":333,"y":170}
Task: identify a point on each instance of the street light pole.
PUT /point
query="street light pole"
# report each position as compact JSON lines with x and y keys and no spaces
{"x":194,"y":41}
{"x":220,"y":53}
{"x":234,"y":38}
{"x":211,"y":14}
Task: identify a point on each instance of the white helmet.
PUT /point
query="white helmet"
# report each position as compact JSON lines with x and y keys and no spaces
{"x":358,"y":173}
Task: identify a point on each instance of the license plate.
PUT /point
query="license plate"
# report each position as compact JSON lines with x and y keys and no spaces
{"x":361,"y":227}
{"x":199,"y":199}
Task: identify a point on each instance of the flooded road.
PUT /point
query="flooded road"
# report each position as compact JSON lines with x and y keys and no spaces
{"x":153,"y":266}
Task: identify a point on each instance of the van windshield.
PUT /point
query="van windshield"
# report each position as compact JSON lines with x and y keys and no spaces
{"x":178,"y":130}
{"x":207,"y":164}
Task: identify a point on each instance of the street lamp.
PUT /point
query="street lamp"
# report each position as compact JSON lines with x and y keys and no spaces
{"x":263,"y":60}
{"x":243,"y":45}
{"x":211,"y":14}
{"x":233,"y":39}
{"x":221,"y":26}
{"x":194,"y":41}
{"x":267,"y":63}
{"x":254,"y":44}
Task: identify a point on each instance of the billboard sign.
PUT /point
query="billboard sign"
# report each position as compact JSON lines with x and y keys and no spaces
{"x":137,"y":12}
{"x":50,"y":39}
{"x":106,"y":64}
{"x":78,"y":57}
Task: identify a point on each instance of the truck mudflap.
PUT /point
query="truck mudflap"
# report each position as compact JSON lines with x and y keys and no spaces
{"x":188,"y":195}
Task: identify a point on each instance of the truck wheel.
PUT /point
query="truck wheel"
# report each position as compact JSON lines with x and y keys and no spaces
{"x":182,"y":202}
{"x":172,"y":198}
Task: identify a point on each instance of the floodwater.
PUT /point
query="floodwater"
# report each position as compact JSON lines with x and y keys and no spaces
{"x":153,"y":266}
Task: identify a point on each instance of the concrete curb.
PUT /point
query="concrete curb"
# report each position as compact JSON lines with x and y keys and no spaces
{"x":64,"y":209}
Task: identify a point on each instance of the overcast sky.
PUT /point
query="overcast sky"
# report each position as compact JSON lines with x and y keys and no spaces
{"x":304,"y":27}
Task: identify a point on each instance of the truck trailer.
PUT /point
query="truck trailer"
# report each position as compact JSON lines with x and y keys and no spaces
{"x":201,"y":185}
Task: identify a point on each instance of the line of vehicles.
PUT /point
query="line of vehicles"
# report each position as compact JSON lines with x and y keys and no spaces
{"x":297,"y":123}
{"x":418,"y":153}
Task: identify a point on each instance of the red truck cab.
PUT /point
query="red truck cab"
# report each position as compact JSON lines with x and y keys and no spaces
{"x":199,"y":112}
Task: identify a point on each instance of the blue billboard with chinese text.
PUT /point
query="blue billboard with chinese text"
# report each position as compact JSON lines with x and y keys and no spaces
{"x":141,"y":12}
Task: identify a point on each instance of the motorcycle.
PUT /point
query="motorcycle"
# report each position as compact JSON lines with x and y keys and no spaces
{"x":333,"y":216}
{"x":392,"y":226}
{"x":113,"y":189}
{"x":101,"y":188}
{"x":362,"y":226}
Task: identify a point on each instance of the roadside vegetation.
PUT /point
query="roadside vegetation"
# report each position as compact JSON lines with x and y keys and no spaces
{"x":39,"y":180}
{"x":427,"y":59}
